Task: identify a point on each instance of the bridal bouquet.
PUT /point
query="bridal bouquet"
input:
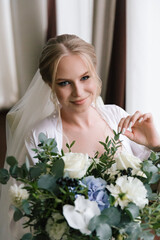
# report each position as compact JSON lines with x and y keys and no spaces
{"x":68,"y":196}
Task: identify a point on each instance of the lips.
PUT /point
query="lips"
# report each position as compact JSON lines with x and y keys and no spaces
{"x":79,"y":101}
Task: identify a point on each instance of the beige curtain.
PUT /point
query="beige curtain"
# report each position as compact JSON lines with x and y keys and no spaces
{"x":103,"y":27}
{"x":143,"y":52}
{"x":75,"y":17}
{"x":8,"y":73}
{"x":23,"y":26}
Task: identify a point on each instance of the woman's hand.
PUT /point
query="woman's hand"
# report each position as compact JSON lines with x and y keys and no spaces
{"x":140,"y":129}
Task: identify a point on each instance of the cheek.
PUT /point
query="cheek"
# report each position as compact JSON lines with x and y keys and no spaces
{"x":61,"y":94}
{"x":58,"y":93}
{"x":92,"y":87}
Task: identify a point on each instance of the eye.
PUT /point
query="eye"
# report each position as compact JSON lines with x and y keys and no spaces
{"x":85,"y":77}
{"x":63,"y":84}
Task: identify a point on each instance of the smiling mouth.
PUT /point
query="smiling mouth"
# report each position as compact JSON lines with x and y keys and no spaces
{"x":79,"y":102}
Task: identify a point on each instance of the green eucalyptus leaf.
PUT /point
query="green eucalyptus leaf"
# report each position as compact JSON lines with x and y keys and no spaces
{"x":72,"y":143}
{"x":36,"y":171}
{"x":132,"y":210}
{"x":27,"y":164}
{"x":67,"y":145}
{"x":17,"y":215}
{"x":113,"y":215}
{"x":158,"y":232}
{"x":155,"y":178}
{"x":25,"y":206}
{"x":151,"y":171}
{"x":104,"y":231}
{"x":149,"y":167}
{"x":48,"y":182}
{"x":49,"y":141}
{"x":116,"y":136}
{"x":153,"y":156}
{"x":58,"y":168}
{"x":42,"y":236}
{"x":42,"y":137}
{"x":4,"y":176}
{"x":27,"y":236}
{"x":133,"y":230}
{"x":54,"y":143}
{"x":95,"y":221}
{"x":147,"y":235}
{"x":22,"y":171}
{"x":149,"y":191}
{"x":12,"y":161}
{"x":125,"y":219}
{"x":14,"y":171}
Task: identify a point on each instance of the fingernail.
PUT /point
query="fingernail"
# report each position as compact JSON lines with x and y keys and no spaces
{"x":140,"y":120}
{"x":119,"y":129}
{"x":130,"y":125}
{"x":123,"y":130}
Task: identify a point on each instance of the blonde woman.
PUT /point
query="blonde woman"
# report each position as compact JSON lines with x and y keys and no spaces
{"x":64,"y":102}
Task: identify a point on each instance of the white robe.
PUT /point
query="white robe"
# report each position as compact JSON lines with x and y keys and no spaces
{"x":52,"y":128}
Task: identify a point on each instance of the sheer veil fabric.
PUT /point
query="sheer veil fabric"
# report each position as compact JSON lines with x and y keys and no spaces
{"x":35,"y":105}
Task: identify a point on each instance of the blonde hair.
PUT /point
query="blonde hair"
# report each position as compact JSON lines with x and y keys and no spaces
{"x":64,"y":45}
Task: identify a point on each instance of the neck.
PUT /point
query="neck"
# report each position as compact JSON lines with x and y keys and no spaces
{"x":79,"y":119}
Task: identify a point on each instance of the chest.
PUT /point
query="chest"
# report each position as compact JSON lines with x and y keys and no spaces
{"x":87,"y":140}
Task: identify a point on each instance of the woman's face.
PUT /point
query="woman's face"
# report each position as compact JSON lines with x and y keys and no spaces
{"x":75,"y":86}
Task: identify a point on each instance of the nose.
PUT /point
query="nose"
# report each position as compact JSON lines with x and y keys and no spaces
{"x":77,"y":90}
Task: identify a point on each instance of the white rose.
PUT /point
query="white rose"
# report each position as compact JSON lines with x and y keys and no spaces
{"x":18,"y":194}
{"x":76,"y":164}
{"x":78,"y":217}
{"x":55,"y":230}
{"x":124,"y":160}
{"x":128,"y":189}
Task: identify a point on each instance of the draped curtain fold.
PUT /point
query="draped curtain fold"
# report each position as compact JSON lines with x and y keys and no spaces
{"x":75,"y":17}
{"x":8,"y":75}
{"x":52,"y":29}
{"x":109,"y":39}
{"x":23,"y":31}
{"x":102,"y":37}
{"x":117,"y":72}
{"x":143,"y":51}
{"x":23,"y":27}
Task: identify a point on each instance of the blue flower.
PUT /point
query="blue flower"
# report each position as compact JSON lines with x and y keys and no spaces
{"x":97,"y":191}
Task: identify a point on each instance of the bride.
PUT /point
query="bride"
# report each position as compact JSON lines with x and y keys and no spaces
{"x":67,"y":106}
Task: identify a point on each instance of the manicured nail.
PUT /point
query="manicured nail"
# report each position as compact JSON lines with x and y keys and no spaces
{"x":123,"y":130}
{"x":130,"y":125}
{"x":140,"y":120}
{"x":119,"y":129}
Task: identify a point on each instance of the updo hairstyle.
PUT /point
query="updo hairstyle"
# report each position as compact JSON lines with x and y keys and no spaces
{"x":64,"y":45}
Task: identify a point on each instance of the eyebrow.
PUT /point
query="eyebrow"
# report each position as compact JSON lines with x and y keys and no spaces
{"x":66,"y":79}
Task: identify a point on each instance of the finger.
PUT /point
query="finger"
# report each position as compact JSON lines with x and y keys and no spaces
{"x":136,"y":117}
{"x":129,"y":134}
{"x":142,"y":118}
{"x":120,"y":125}
{"x":147,"y":116}
{"x":129,"y":121}
{"x":124,"y":124}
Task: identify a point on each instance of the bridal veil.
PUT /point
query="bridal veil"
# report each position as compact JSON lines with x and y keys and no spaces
{"x":35,"y":105}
